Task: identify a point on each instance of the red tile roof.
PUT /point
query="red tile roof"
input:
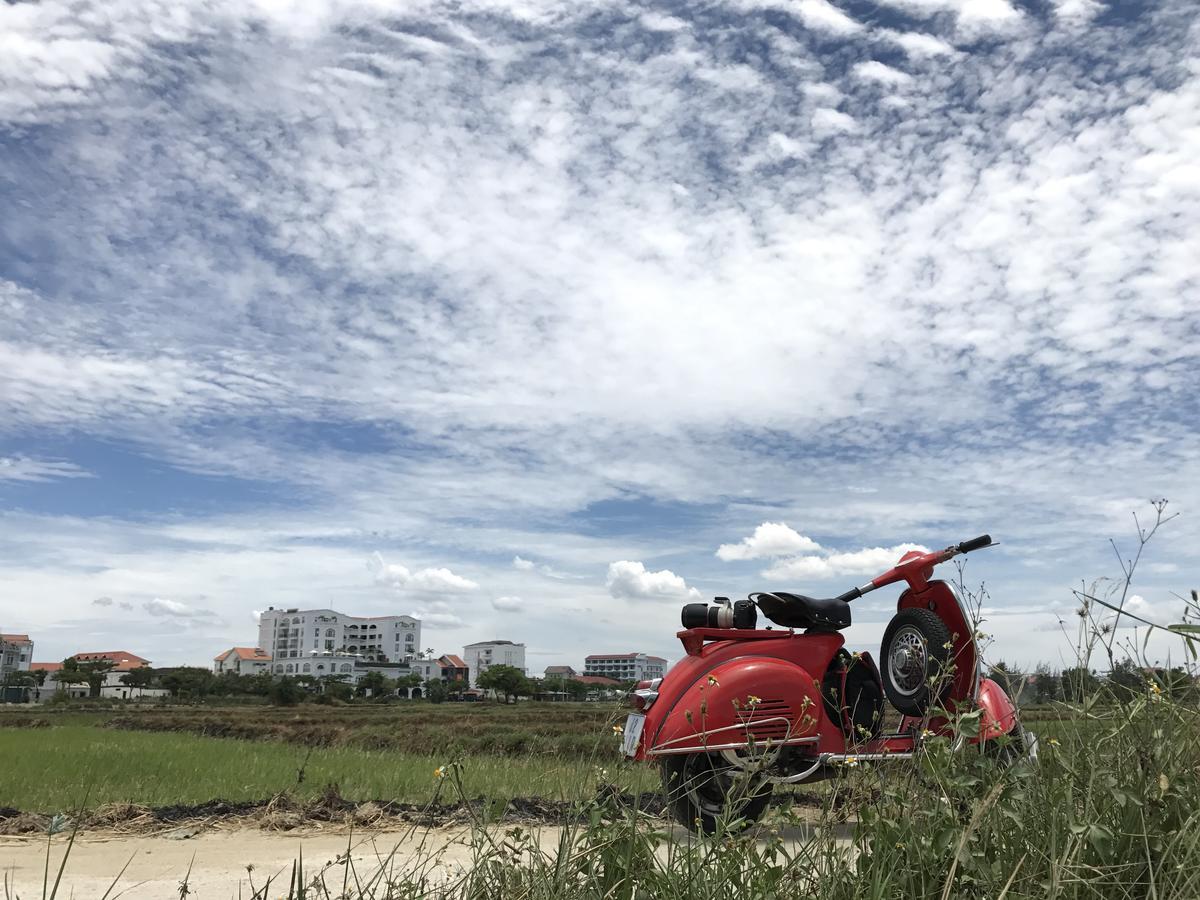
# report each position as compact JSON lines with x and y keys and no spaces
{"x":596,"y":680}
{"x":456,"y":662}
{"x":123,"y":660}
{"x":252,"y":653}
{"x":45,"y":667}
{"x":16,"y":638}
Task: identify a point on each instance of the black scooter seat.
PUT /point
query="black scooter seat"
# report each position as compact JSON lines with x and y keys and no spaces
{"x":798,"y":611}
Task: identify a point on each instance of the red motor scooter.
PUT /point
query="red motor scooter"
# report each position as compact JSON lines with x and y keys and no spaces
{"x":748,"y":708}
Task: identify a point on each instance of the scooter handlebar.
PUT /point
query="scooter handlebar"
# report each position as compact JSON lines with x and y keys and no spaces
{"x":984,"y":540}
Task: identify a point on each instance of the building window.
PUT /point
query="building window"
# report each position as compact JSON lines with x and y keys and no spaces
{"x":320,"y":667}
{"x":307,"y":667}
{"x":345,"y":667}
{"x":290,"y":668}
{"x":328,"y":632}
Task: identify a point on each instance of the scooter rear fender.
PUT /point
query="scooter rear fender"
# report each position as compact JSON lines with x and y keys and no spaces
{"x":741,"y":695}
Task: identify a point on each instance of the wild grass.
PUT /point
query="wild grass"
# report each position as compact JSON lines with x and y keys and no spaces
{"x":49,"y":770}
{"x":558,"y":730}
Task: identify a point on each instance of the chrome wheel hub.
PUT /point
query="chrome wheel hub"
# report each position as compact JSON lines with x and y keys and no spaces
{"x":908,"y":661}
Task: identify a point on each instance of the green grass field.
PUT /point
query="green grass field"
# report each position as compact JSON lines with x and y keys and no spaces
{"x":56,"y":768}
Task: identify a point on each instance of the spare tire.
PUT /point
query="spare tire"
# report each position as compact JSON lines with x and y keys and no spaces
{"x":916,"y":656}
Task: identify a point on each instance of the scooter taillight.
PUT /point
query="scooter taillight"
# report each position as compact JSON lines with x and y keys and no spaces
{"x":644,"y":694}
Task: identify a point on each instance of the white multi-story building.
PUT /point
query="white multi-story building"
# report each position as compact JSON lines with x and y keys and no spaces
{"x":485,"y":654}
{"x":326,"y":642}
{"x":625,"y":666}
{"x":16,"y":653}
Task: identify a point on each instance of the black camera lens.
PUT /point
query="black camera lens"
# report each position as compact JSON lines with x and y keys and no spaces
{"x":694,"y":615}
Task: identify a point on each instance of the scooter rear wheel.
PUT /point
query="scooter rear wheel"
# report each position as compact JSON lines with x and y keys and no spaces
{"x":916,"y":653}
{"x":704,"y":791}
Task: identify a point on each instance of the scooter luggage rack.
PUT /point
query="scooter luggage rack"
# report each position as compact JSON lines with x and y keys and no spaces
{"x":693,"y":639}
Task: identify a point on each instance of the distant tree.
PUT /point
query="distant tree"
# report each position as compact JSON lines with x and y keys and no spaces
{"x":576,"y":689}
{"x":506,"y":681}
{"x":91,"y":673}
{"x":1078,"y":684}
{"x":435,"y":690}
{"x":1046,"y":687}
{"x":335,"y":687}
{"x":139,"y":678}
{"x":285,"y":692}
{"x":374,"y":684}
{"x":190,"y":682}
{"x":1126,"y":680}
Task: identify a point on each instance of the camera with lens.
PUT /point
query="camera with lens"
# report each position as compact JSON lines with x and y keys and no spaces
{"x":721,"y":614}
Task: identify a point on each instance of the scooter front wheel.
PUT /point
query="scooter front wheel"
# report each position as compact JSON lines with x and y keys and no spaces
{"x":704,"y":792}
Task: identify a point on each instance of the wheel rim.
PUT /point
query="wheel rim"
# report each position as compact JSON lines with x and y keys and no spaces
{"x":908,"y":661}
{"x":706,"y":786}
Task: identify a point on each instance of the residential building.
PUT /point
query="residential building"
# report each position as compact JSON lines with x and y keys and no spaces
{"x":447,"y":667}
{"x":16,"y":653}
{"x":625,"y":666}
{"x":242,"y":661}
{"x":326,"y":642}
{"x":559,"y":672}
{"x":123,"y":662}
{"x":483,"y":655}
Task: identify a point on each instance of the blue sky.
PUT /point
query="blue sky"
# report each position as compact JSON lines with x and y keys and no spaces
{"x":512,"y":314}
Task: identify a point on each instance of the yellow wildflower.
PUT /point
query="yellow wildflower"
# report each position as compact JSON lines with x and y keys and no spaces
{"x":617,"y":729}
{"x":712,"y":679}
{"x":439,"y":772}
{"x":753,"y":701}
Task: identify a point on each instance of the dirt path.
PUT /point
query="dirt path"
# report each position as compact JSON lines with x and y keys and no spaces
{"x":218,"y":859}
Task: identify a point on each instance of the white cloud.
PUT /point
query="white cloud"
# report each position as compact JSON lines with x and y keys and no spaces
{"x":631,"y":581}
{"x":508,"y":604}
{"x":919,"y":45}
{"x":439,"y":619}
{"x":432,"y":580}
{"x":1139,"y":606}
{"x":829,"y":121}
{"x":971,"y":15}
{"x":879,"y":73}
{"x":660,"y":22}
{"x":823,"y":15}
{"x":159,"y":606}
{"x":819,"y":15}
{"x":872,"y":561}
{"x":103,"y":601}
{"x":525,"y":565}
{"x":1077,"y":11}
{"x":17,"y":468}
{"x":769,"y":539}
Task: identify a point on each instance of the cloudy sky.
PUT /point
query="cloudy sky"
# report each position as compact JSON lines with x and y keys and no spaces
{"x":537,"y":318}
